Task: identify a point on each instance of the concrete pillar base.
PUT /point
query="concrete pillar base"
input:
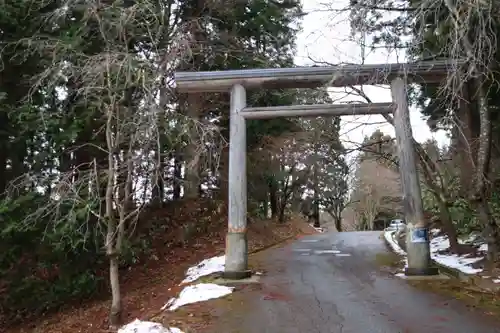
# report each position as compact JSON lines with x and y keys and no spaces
{"x":237,"y":275}
{"x":236,"y":266}
{"x":421,"y":271}
{"x":418,"y":252}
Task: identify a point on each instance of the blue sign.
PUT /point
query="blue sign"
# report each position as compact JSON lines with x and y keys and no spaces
{"x":420,"y":235}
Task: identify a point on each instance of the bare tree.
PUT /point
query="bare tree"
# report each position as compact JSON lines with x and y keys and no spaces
{"x":467,"y":32}
{"x":376,"y":190}
{"x":122,"y":85}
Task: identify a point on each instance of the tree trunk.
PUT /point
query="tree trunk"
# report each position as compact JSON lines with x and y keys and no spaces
{"x":195,"y":15}
{"x":191,"y":157}
{"x":296,"y":196}
{"x":273,"y":198}
{"x":338,"y":223}
{"x":281,"y":217}
{"x":116,"y":300}
{"x":337,"y":219}
{"x":177,"y":178}
{"x":223,"y":174}
{"x":467,"y":133}
{"x":158,"y":190}
{"x":115,"y":313}
{"x":448,"y":226}
{"x":491,"y":230}
{"x":265,"y":208}
{"x":3,"y":169}
{"x":157,"y":183}
{"x":317,"y":223}
{"x":482,"y":179}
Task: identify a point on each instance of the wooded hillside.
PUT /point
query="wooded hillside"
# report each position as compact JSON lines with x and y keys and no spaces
{"x":103,"y":165}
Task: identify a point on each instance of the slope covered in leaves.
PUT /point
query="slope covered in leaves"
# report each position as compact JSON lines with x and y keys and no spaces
{"x":155,"y":276}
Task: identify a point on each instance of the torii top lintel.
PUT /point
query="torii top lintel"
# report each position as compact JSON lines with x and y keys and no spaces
{"x":312,"y":77}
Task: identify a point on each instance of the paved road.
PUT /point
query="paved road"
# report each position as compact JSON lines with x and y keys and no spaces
{"x":307,"y":291}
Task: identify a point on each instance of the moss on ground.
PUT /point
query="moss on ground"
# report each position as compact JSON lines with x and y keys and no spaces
{"x":208,"y":278}
{"x":389,"y":260}
{"x":461,"y":290}
{"x":464,"y":291}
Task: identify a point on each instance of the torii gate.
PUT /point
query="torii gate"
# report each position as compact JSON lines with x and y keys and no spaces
{"x":397,"y":75}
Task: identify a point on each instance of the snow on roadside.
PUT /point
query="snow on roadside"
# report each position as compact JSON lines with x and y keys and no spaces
{"x":204,"y":268}
{"x":320,"y":230}
{"x":439,"y":244}
{"x":138,"y":326}
{"x":197,"y":293}
{"x":389,"y":237}
{"x":462,"y":263}
{"x":190,"y":294}
{"x":202,"y":291}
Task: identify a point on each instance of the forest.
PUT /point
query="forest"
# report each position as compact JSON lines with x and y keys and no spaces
{"x":98,"y":153}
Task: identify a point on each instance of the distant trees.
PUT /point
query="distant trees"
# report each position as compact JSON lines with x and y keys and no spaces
{"x":303,"y":170}
{"x":464,"y":104}
{"x":376,"y":186}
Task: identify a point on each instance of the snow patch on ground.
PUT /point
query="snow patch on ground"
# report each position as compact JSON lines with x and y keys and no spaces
{"x":138,"y":326}
{"x":389,"y":237}
{"x":439,"y":244}
{"x":197,"y":293}
{"x":462,"y":263}
{"x":320,"y":230}
{"x":483,"y":247}
{"x":204,"y":268}
{"x":202,"y":291}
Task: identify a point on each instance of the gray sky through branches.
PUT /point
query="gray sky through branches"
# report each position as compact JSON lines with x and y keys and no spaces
{"x":326,"y":38}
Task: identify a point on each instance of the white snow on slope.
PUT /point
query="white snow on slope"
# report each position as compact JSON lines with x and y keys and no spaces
{"x":204,"y":268}
{"x":197,"y":293}
{"x":438,"y":244}
{"x":462,"y":263}
{"x":138,"y":326}
{"x":388,"y":235}
{"x":320,"y":230}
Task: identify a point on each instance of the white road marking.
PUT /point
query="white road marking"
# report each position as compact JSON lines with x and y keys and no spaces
{"x":327,"y":251}
{"x":343,"y":255}
{"x":301,"y":250}
{"x":310,"y":240}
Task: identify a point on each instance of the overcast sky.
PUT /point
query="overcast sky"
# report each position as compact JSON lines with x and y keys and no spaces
{"x":325,"y":38}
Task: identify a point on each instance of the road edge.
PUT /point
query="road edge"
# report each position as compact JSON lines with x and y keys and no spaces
{"x":451,"y":272}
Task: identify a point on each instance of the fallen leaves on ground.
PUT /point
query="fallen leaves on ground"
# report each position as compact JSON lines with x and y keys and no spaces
{"x":148,"y":286}
{"x":465,"y":291}
{"x":207,"y":316}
